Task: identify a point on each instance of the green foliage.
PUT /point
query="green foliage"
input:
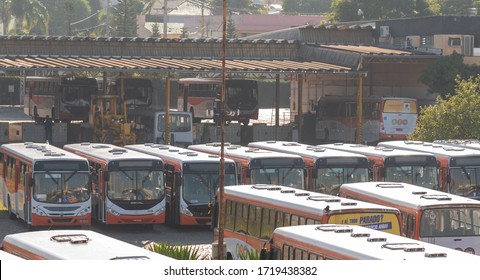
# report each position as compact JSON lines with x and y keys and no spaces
{"x":176,"y":252}
{"x":124,"y":17}
{"x":231,"y":30}
{"x":454,"y":117}
{"x":306,"y":6}
{"x":155,"y":30}
{"x":347,"y":10}
{"x":251,"y":254}
{"x":440,"y":75}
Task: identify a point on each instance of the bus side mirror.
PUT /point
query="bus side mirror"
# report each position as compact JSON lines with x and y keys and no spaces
{"x":178,"y":180}
{"x":248,"y":171}
{"x":32,"y":182}
{"x":449,"y":178}
{"x":314,"y":173}
{"x":107,"y":176}
{"x":264,"y":254}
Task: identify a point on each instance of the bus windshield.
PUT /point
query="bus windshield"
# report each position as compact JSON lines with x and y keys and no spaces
{"x":334,"y":177}
{"x":465,"y":181}
{"x":61,"y":187}
{"x":136,"y":185}
{"x":200,"y":188}
{"x":178,"y":123}
{"x":138,"y":95}
{"x":458,"y":221}
{"x":241,"y":97}
{"x":424,"y":176}
{"x":285,"y":176}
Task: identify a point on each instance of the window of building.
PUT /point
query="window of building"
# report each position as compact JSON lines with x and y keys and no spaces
{"x":454,"y":42}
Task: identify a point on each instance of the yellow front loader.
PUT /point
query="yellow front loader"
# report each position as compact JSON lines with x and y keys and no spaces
{"x":108,"y":119}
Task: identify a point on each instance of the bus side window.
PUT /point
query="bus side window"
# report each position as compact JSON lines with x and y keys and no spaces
{"x":2,"y":171}
{"x":410,"y":227}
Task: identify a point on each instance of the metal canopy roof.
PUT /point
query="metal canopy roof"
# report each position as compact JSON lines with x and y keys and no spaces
{"x":136,"y":64}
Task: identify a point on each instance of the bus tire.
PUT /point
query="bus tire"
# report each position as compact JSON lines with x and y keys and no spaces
{"x":11,"y":215}
{"x":229,"y":256}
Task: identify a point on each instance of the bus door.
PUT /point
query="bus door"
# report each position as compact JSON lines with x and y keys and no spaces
{"x":171,"y":193}
{"x":103,"y":181}
{"x":27,"y":192}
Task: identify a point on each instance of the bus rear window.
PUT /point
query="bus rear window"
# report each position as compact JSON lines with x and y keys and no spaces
{"x":400,"y":106}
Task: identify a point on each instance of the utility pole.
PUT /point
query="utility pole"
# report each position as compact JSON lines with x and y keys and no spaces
{"x":165,"y":18}
{"x":221,"y":203}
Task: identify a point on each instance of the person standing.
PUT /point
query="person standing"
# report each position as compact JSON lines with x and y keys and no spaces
{"x":48,"y":129}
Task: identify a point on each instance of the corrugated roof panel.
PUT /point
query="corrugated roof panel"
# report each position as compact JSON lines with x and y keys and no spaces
{"x":167,"y":64}
{"x":368,"y":50}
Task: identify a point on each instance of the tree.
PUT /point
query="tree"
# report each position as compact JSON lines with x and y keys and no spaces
{"x":5,"y":14}
{"x":454,"y":117}
{"x":124,"y":17}
{"x":440,"y":75}
{"x":347,"y":10}
{"x":231,"y":30}
{"x":155,"y":30}
{"x":233,"y":7}
{"x":67,"y":12}
{"x":27,"y":14}
{"x":306,"y":6}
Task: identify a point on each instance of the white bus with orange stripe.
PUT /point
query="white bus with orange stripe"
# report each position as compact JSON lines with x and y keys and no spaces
{"x":254,"y":211}
{"x":326,"y":169}
{"x":127,"y":186}
{"x":260,"y":166}
{"x":352,"y":242}
{"x":427,"y":215}
{"x":45,"y":185}
{"x":192,"y":179}
{"x":74,"y":245}
{"x":396,"y":165}
{"x":459,"y":166}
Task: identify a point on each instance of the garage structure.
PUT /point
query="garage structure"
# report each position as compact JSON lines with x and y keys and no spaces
{"x":311,"y":68}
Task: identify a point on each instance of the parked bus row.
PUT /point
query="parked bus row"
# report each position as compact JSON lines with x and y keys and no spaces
{"x":253,"y":212}
{"x":72,"y":245}
{"x":68,"y":98}
{"x":139,"y":184}
{"x":417,"y":214}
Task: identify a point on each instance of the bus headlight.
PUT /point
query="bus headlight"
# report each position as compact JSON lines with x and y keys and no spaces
{"x":113,"y":212}
{"x":186,"y":211}
{"x":159,"y":212}
{"x":40,"y":212}
{"x":83,"y":212}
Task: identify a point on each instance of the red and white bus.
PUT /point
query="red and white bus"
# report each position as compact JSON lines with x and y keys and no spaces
{"x":459,"y":166}
{"x":45,"y":185}
{"x":427,"y":215}
{"x":64,"y":99}
{"x":192,"y":179}
{"x":197,"y":95}
{"x":127,"y":186}
{"x":74,"y":245}
{"x":260,"y":166}
{"x":253,"y":212}
{"x":396,"y":165}
{"x":352,"y":242}
{"x":326,"y":169}
{"x":383,"y":118}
